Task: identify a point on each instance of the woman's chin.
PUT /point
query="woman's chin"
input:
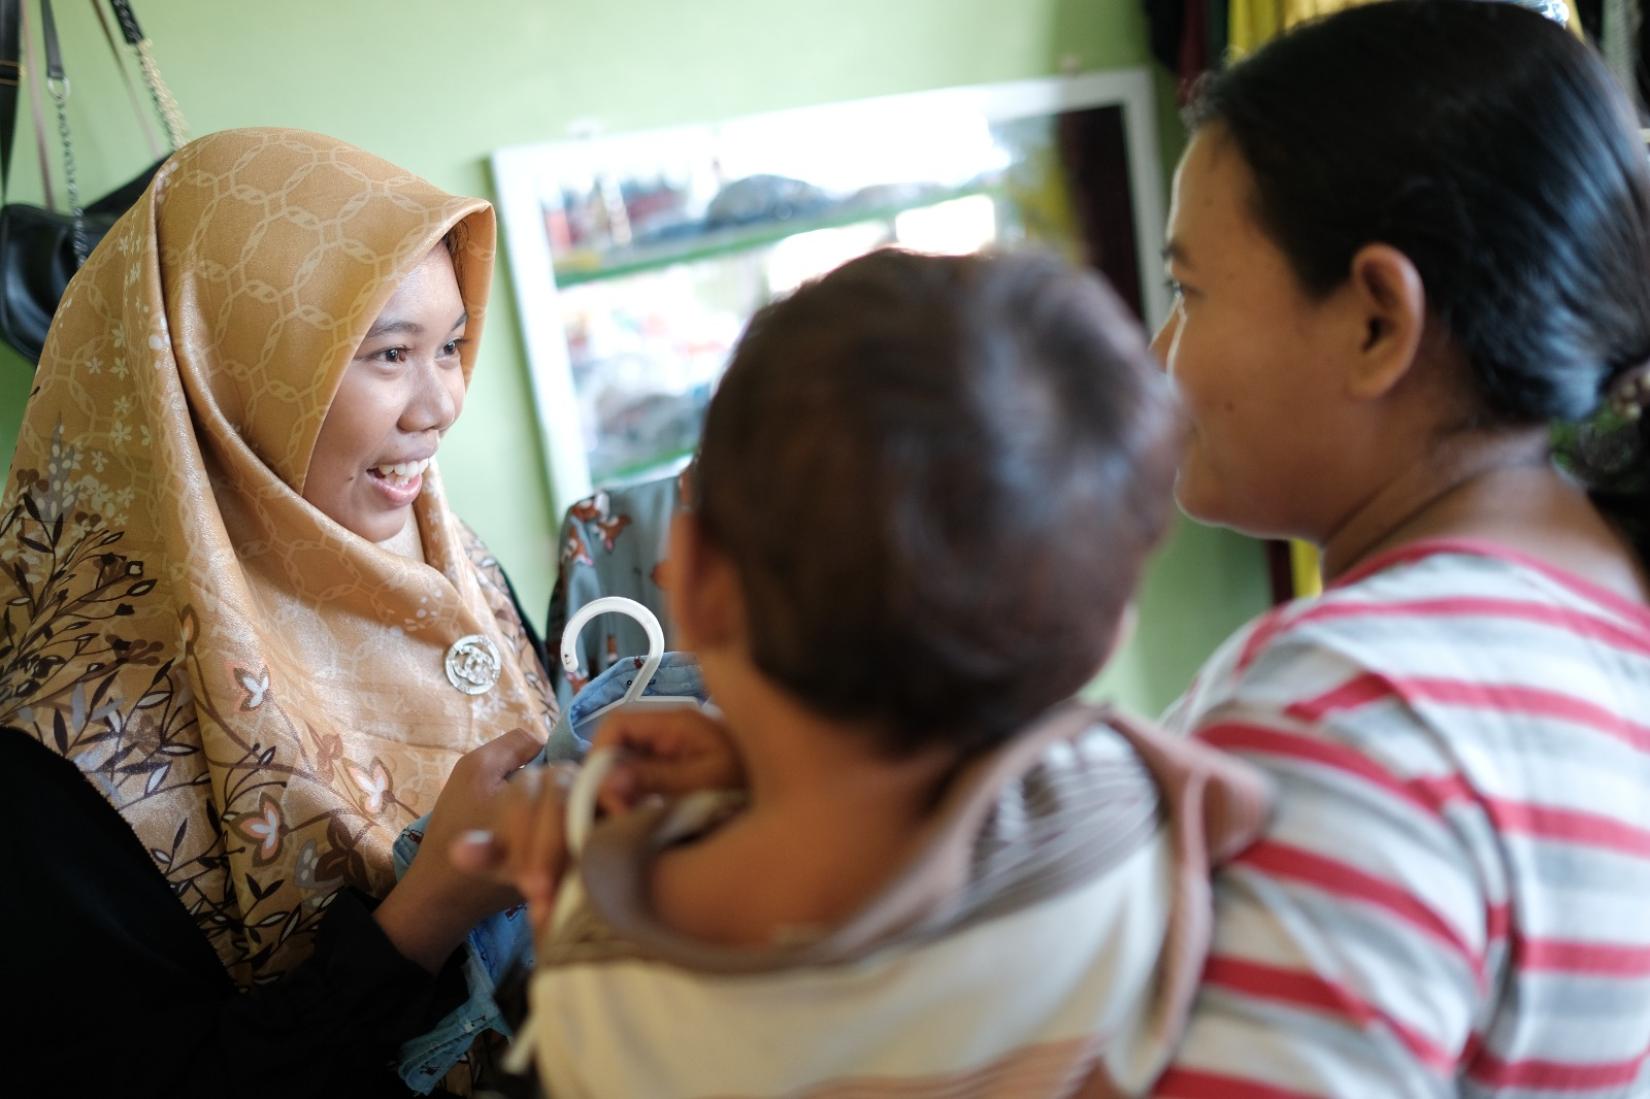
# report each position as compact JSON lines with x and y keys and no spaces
{"x":1199,"y":502}
{"x":381,"y":526}
{"x":1193,"y":499}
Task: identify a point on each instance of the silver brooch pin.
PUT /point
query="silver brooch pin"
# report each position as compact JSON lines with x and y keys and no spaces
{"x":473,"y":664}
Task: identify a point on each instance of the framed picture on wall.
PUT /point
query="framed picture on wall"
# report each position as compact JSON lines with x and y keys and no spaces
{"x":637,"y":258}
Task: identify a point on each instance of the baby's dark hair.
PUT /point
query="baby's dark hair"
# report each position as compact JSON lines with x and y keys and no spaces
{"x":938,"y":479}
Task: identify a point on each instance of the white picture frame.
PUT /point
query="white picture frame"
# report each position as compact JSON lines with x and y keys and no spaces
{"x":521,"y":174}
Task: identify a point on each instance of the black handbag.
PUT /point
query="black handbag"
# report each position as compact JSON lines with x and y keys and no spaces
{"x":42,"y":248}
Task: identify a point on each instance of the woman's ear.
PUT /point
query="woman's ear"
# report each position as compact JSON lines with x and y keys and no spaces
{"x":706,"y":601}
{"x":1391,"y":303}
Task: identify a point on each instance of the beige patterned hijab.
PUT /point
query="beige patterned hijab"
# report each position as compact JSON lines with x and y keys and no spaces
{"x":266,"y":697}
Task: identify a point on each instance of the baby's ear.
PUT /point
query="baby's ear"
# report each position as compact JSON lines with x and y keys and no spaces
{"x":1125,"y":627}
{"x":706,"y":600}
{"x":1121,"y":631}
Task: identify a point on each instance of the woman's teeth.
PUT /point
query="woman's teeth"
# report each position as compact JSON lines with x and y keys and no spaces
{"x":402,"y":473}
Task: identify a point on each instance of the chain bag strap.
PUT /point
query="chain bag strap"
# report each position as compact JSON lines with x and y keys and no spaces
{"x":171,"y":116}
{"x":57,"y":86}
{"x":40,"y":248}
{"x":11,"y":80}
{"x":126,"y":80}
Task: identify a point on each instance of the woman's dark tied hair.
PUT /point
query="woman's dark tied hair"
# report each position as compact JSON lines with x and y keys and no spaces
{"x":938,"y":479}
{"x":1493,"y":149}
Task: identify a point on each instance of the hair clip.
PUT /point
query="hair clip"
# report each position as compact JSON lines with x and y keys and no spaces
{"x":1629,"y":394}
{"x":1556,"y":10}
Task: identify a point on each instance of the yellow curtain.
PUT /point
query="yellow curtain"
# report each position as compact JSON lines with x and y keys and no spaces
{"x":1305,"y":568}
{"x":1254,"y":22}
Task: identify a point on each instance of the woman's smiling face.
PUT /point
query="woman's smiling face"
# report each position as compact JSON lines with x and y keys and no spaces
{"x":403,"y":389}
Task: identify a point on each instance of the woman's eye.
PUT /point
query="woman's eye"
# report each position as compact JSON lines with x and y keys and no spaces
{"x":393,"y":354}
{"x":450,"y":348}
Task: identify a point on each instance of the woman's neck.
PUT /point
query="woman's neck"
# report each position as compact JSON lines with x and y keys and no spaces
{"x":1500,"y":487}
{"x":407,"y":542}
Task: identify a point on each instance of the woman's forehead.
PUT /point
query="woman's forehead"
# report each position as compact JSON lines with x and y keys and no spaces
{"x":1212,"y":209}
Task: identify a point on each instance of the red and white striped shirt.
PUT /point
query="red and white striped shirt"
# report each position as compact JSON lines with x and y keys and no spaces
{"x":1454,"y":895}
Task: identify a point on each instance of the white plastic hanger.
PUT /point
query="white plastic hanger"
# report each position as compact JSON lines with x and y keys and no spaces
{"x":581,"y":815}
{"x":581,"y":798}
{"x":618,"y":604}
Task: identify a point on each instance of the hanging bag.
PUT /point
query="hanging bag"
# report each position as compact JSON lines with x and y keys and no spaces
{"x":41,"y":247}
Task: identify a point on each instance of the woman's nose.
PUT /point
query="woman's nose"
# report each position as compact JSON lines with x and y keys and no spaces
{"x":437,"y":401}
{"x":1163,"y":342}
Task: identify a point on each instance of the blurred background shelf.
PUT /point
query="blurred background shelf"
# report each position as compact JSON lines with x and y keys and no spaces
{"x":618,"y":262}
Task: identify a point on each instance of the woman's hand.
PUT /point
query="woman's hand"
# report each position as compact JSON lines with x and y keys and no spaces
{"x":661,"y":752}
{"x":526,"y":849}
{"x":532,"y":836}
{"x":522,"y":849}
{"x":665,"y":752}
{"x":429,"y":911}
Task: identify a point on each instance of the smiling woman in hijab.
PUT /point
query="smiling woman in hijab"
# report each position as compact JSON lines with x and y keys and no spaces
{"x":243,"y":639}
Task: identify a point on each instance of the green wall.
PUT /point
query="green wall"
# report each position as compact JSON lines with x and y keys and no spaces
{"x":436,"y":85}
